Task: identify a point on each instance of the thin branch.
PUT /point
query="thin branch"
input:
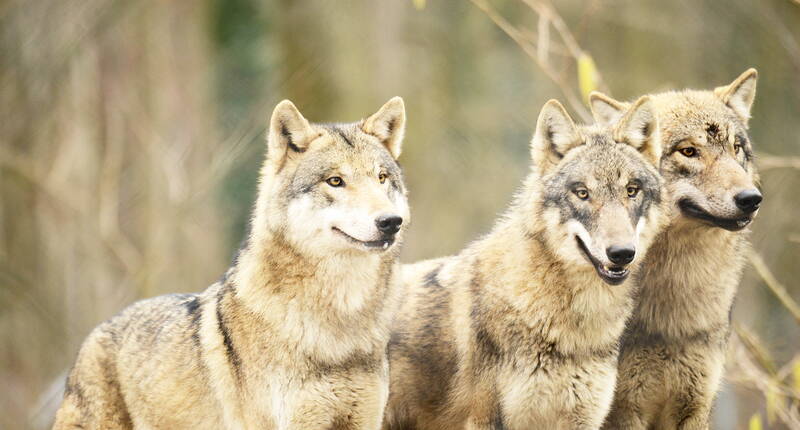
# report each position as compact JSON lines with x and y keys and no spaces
{"x":515,"y":34}
{"x":546,"y":9}
{"x":773,"y":284}
{"x":756,"y":349}
{"x":751,"y":373}
{"x":768,"y":161}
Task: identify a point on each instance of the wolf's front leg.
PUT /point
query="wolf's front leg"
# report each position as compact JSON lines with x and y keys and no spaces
{"x":624,"y":416}
{"x":591,"y":393}
{"x":693,"y":415}
{"x":695,"y":422}
{"x":691,"y":410}
{"x":586,"y":418}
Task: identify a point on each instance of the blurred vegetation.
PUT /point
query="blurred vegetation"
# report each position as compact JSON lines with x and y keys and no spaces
{"x":131,"y":133}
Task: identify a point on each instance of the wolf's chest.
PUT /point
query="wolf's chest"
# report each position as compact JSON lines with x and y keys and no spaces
{"x":541,"y":393}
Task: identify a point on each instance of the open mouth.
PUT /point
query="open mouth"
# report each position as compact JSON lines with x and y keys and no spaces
{"x":692,"y":210}
{"x":612,"y":275}
{"x":383,"y":243}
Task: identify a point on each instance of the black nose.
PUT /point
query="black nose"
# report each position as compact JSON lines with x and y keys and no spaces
{"x":621,"y":254}
{"x":748,"y":200}
{"x":388,"y":224}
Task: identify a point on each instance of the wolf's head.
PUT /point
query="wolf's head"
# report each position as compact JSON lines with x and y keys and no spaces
{"x":600,"y":188}
{"x":707,"y":162}
{"x":328,"y":188}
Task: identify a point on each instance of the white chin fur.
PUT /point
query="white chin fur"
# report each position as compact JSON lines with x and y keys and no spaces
{"x":311,"y":229}
{"x":575,"y":228}
{"x":640,"y":226}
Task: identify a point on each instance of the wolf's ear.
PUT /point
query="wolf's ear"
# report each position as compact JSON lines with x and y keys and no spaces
{"x":606,"y":110}
{"x":739,"y":95}
{"x":388,"y":125}
{"x":288,"y":131}
{"x":638,"y":127}
{"x":555,"y":134}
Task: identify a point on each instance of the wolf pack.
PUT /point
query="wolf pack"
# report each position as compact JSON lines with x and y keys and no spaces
{"x":600,"y":299}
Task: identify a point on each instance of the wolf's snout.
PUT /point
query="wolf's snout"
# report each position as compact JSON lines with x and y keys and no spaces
{"x":748,"y":201}
{"x":388,"y":224}
{"x":621,"y":254}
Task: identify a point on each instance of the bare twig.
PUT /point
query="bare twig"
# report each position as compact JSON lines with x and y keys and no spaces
{"x":746,"y":354}
{"x":768,"y":161}
{"x":534,"y":52}
{"x":756,"y":349}
{"x":775,"y":286}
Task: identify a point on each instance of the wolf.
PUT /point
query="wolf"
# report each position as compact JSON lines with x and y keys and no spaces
{"x":520,"y":329}
{"x":294,"y":336}
{"x":673,"y":351}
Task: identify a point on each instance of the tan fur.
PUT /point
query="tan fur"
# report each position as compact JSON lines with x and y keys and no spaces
{"x":294,"y":336}
{"x":518,"y":331}
{"x":673,"y":352}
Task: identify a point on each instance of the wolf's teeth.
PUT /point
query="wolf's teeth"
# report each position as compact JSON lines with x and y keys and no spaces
{"x":385,"y":245}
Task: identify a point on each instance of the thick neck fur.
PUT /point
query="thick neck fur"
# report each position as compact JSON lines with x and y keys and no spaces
{"x":520,"y":278}
{"x":689,"y":278}
{"x":314,"y":302}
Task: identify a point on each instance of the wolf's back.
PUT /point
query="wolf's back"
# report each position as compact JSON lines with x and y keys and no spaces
{"x":144,"y":359}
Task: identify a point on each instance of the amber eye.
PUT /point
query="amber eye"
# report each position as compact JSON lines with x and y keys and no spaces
{"x":737,"y":148}
{"x":335,"y":181}
{"x":382,"y":177}
{"x":633,"y":191}
{"x":689,"y":151}
{"x":582,"y":193}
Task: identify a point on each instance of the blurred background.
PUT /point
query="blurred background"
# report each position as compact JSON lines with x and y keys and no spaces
{"x":131,"y":132}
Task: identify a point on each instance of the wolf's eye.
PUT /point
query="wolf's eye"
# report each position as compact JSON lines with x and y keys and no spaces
{"x":689,"y":151}
{"x":582,"y":193}
{"x":633,"y":191}
{"x":737,"y":148}
{"x":335,"y":181}
{"x":382,"y":177}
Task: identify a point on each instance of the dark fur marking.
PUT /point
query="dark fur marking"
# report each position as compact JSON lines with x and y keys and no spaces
{"x":433,"y":355}
{"x":487,"y":348}
{"x":361,"y":361}
{"x":498,"y":421}
{"x":341,"y":133}
{"x":431,"y":279}
{"x":233,"y":356}
{"x":550,"y":133}
{"x":195,"y":311}
{"x":712,"y":130}
{"x":289,"y":142}
{"x":390,"y":126}
{"x":73,"y":389}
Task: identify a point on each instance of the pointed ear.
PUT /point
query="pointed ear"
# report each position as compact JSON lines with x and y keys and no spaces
{"x":739,"y":95}
{"x":288,"y":132}
{"x":388,"y":125}
{"x":606,"y":110}
{"x":638,"y":127}
{"x":555,"y":134}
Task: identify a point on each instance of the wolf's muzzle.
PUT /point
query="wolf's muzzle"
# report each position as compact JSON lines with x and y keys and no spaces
{"x":621,"y":254}
{"x":748,"y":201}
{"x":692,"y":210}
{"x":613,"y":275}
{"x":388,"y":224}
